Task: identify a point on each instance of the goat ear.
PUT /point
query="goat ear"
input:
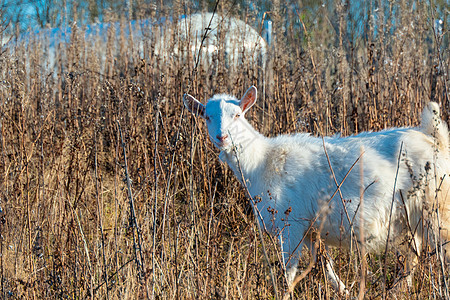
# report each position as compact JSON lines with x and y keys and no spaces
{"x":194,"y":106}
{"x":248,"y":99}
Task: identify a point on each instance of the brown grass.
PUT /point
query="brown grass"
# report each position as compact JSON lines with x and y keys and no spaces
{"x":67,"y":226}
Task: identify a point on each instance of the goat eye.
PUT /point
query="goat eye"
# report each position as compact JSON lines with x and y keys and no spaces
{"x":237,"y":116}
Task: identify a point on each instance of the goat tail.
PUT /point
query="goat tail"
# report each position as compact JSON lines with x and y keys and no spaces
{"x":434,"y":126}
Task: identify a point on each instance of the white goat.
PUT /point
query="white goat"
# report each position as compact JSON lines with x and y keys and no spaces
{"x":292,"y":172}
{"x":237,"y":39}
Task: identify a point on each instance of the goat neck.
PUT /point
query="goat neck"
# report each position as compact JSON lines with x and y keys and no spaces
{"x":247,"y":151}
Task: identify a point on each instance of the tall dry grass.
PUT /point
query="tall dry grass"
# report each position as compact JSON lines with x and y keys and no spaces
{"x":110,"y":189}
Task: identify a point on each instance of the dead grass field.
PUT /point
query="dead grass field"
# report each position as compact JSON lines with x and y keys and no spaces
{"x":110,"y":189}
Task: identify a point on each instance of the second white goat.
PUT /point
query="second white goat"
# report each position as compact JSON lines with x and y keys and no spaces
{"x":407,"y":168}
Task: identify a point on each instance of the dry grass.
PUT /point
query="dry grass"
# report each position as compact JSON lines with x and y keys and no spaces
{"x":67,"y":227}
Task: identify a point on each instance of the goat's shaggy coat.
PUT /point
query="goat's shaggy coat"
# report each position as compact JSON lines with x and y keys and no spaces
{"x":406,"y":168}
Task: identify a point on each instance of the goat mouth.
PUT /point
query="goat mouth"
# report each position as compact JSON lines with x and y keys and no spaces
{"x":221,"y":145}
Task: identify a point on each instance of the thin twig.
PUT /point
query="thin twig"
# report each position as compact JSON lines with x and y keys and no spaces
{"x":100,"y":215}
{"x":323,"y":208}
{"x":86,"y":249}
{"x":205,"y":35}
{"x":389,"y":224}
{"x":362,"y":280}
{"x":110,"y":277}
{"x":155,"y":173}
{"x":352,"y":232}
{"x":438,"y":40}
{"x":255,"y":213}
{"x":136,"y":245}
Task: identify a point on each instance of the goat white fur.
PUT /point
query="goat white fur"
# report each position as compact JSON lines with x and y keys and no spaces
{"x":292,"y":171}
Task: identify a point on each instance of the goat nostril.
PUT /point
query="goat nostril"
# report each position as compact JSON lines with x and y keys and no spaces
{"x":221,"y":138}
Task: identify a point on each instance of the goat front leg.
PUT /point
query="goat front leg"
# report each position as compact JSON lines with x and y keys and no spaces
{"x":334,"y":279}
{"x":336,"y":282}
